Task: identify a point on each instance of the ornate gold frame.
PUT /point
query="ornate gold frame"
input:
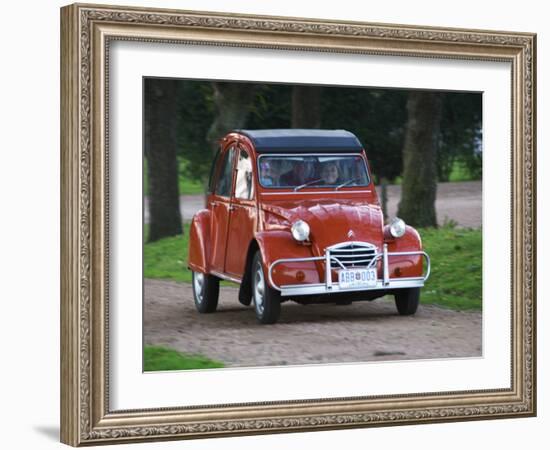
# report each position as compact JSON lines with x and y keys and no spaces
{"x":86,"y":31}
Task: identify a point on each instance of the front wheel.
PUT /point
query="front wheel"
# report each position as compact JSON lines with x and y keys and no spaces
{"x":406,"y":301}
{"x":206,"y":289}
{"x":267,"y":301}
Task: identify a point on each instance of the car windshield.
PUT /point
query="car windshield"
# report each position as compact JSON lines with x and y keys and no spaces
{"x":312,"y":171}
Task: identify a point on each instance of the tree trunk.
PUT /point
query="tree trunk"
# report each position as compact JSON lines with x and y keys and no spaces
{"x":160,"y":151}
{"x":233,"y":102}
{"x":417,"y":205}
{"x":306,"y":106}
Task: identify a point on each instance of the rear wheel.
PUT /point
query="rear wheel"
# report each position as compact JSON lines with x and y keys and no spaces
{"x":206,"y":289}
{"x":406,"y":301}
{"x":267,"y":301}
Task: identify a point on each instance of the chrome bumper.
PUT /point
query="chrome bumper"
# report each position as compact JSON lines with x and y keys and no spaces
{"x":330,"y":287}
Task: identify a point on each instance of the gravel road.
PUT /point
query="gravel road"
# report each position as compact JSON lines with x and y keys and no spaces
{"x":460,"y":202}
{"x":362,"y":331}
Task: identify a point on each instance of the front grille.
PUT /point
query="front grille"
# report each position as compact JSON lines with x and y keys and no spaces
{"x":351,"y":255}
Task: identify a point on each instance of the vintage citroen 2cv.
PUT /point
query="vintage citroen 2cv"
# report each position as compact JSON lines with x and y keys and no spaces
{"x":294,"y":215}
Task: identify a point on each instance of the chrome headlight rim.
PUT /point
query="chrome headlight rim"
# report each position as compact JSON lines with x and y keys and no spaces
{"x":300,"y":230}
{"x":397,"y":227}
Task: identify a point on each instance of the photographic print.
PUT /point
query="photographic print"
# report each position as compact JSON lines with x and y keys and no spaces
{"x":276,"y":224}
{"x":305,"y":224}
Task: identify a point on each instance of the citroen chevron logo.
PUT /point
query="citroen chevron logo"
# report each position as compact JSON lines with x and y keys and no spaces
{"x":351,"y":234}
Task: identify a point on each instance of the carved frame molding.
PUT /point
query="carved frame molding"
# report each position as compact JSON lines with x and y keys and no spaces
{"x":86,"y":32}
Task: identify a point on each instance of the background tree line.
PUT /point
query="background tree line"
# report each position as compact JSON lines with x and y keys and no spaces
{"x":414,"y":137}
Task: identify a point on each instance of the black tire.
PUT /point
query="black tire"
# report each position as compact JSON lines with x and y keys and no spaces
{"x":407,"y":300}
{"x":267,"y":301}
{"x":205,"y":292}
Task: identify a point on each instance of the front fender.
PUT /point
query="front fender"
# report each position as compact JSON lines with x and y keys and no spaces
{"x":199,"y":242}
{"x":280,"y":244}
{"x":405,"y":266}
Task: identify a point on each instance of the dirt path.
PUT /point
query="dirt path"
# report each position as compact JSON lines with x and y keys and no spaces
{"x":460,"y":202}
{"x":363,"y":331}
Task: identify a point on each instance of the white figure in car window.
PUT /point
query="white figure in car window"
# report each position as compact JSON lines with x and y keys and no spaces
{"x":330,"y":174}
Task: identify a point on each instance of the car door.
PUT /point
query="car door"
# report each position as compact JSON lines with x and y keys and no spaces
{"x":220,"y":204}
{"x":242,"y":220}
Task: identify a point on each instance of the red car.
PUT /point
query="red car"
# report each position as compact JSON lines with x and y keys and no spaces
{"x":294,"y":215}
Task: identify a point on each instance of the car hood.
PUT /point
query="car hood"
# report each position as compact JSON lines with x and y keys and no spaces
{"x":332,"y":222}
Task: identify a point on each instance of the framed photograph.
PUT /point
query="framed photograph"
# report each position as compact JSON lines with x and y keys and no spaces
{"x":276,"y":224}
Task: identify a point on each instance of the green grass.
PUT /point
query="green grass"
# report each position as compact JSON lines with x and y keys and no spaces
{"x":460,"y":172}
{"x":185,"y":185}
{"x":455,"y":281}
{"x":456,"y":278}
{"x":189,"y":187}
{"x":167,"y":258}
{"x":162,"y":358}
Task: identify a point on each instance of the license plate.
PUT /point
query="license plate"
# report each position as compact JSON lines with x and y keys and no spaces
{"x":352,"y":278}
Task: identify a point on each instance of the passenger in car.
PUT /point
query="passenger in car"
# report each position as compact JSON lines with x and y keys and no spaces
{"x":267,"y":174}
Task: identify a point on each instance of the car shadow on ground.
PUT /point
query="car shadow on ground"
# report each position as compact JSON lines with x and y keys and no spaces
{"x":361,"y":311}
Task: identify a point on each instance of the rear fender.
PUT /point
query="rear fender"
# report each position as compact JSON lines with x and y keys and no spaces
{"x":199,"y":242}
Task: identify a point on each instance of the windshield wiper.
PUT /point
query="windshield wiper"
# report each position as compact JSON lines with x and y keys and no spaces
{"x":309,"y":183}
{"x":346,"y":183}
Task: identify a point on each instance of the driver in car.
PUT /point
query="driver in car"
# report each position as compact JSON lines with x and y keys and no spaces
{"x":295,"y":176}
{"x":330,"y":174}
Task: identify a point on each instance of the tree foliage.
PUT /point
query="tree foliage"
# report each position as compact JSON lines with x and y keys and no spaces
{"x":460,"y":135}
{"x":306,"y":106}
{"x":201,"y":112}
{"x":195,"y":115}
{"x":232,"y":103}
{"x":378,"y":117}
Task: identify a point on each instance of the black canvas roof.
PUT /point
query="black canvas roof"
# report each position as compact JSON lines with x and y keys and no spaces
{"x":302,"y":140}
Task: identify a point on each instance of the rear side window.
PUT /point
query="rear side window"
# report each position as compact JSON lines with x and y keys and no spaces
{"x":212,"y":177}
{"x":244,"y":188}
{"x":223,"y":187}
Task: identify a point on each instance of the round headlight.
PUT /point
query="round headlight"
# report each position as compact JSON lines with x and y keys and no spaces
{"x":397,"y":227}
{"x":300,"y":230}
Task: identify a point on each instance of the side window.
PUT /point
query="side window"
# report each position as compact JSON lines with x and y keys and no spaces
{"x":244,"y":188}
{"x":212,"y":177}
{"x":223,"y":186}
